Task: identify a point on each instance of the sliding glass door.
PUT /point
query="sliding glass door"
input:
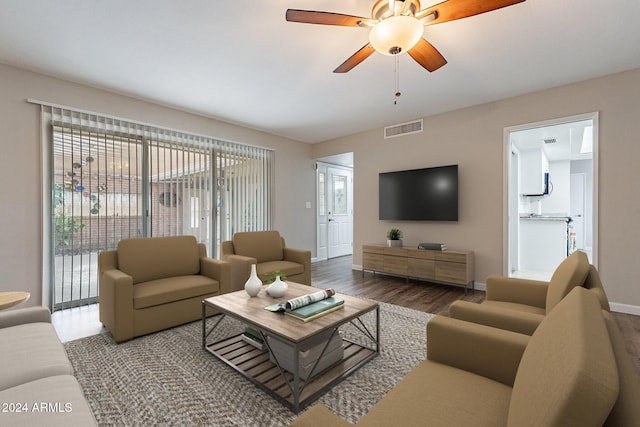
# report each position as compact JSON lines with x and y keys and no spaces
{"x":112,"y":180}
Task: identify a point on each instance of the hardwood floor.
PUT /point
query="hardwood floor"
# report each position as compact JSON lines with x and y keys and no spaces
{"x":423,"y":296}
{"x":429,"y":297}
{"x":337,"y":273}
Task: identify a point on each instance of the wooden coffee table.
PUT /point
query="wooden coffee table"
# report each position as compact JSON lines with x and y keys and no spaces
{"x":255,"y":364}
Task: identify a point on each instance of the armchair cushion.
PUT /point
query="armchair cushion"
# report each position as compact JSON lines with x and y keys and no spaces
{"x":288,"y":268}
{"x":439,"y":395}
{"x":147,"y":259}
{"x":264,"y":246}
{"x":515,"y":306}
{"x":163,"y":291}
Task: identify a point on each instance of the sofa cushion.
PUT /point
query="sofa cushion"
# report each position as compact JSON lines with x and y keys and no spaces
{"x":288,"y":268}
{"x":567,"y":375}
{"x":571,"y":272}
{"x":433,"y":394}
{"x":30,"y":352}
{"x":52,"y":402}
{"x":171,"y":289}
{"x":264,"y":246}
{"x":154,"y":258}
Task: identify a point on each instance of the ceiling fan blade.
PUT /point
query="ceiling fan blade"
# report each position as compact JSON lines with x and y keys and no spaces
{"x":426,"y":55}
{"x":451,"y":10}
{"x":355,"y":59}
{"x":325,"y":18}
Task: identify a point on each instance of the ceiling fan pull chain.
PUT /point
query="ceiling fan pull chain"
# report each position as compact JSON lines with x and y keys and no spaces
{"x":397,"y":78}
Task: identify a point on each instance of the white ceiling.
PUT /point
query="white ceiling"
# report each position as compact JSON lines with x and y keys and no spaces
{"x":241,"y":62}
{"x":562,"y":141}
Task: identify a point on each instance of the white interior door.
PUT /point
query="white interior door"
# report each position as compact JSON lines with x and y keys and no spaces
{"x":339,"y":211}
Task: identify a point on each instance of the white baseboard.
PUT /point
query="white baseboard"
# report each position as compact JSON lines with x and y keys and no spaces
{"x":625,"y":308}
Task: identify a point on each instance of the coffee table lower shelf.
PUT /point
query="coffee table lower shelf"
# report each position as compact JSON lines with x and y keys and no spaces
{"x":255,"y":365}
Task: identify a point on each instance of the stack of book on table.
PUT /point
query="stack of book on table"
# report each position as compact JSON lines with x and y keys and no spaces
{"x":433,"y":246}
{"x":316,"y":309}
{"x":253,"y":337}
{"x":310,"y":306}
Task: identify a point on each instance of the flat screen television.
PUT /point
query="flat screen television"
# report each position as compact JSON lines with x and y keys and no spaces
{"x":429,"y":194}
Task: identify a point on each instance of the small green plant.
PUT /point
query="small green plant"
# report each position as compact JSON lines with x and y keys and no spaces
{"x":271,"y":277}
{"x":65,"y":227}
{"x":394,"y":234}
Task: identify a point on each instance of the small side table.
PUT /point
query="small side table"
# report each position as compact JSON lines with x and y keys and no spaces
{"x":9,"y":299}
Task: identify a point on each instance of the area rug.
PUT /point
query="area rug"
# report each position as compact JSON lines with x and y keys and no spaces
{"x":167,"y":378}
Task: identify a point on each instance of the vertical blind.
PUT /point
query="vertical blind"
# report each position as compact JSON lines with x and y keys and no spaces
{"x":112,"y":179}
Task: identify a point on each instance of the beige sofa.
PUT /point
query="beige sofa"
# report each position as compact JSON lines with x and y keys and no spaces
{"x":37,"y":386}
{"x":150,"y":284}
{"x":520,"y":305}
{"x":573,"y":371}
{"x":268,"y":251}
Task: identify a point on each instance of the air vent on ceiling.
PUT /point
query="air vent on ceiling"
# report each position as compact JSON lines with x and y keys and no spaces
{"x":550,"y":141}
{"x":403,"y":129}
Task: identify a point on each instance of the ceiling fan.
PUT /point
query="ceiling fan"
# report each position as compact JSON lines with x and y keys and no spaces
{"x":397,"y":26}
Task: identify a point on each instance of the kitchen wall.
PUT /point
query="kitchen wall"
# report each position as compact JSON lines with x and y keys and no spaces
{"x":21,"y":260}
{"x":473,"y":138}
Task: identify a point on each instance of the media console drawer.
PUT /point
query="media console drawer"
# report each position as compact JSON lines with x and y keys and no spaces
{"x":451,"y":267}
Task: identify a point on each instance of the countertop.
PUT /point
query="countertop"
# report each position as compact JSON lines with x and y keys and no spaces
{"x":535,"y":217}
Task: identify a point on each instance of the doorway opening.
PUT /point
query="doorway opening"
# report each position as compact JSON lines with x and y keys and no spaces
{"x":551,"y":194}
{"x":334,"y":204}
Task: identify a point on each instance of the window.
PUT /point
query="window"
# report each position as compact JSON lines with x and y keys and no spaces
{"x":112,"y":179}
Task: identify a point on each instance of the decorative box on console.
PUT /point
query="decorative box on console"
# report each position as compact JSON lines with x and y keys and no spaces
{"x":308,"y":354}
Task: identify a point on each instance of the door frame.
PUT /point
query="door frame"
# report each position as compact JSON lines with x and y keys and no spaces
{"x":322,"y":224}
{"x":507,"y":183}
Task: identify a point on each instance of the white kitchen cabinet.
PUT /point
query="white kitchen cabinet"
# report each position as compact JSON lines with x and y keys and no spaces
{"x":543,"y":243}
{"x":533,"y":167}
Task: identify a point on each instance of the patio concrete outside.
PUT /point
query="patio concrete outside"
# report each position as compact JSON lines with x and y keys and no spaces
{"x":76,"y":278}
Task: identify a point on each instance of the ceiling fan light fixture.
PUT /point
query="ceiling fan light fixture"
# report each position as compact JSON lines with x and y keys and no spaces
{"x":396,"y":34}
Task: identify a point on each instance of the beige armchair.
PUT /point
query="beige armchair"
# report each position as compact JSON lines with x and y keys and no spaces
{"x":519,"y":305}
{"x":268,"y":251}
{"x":150,"y":284}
